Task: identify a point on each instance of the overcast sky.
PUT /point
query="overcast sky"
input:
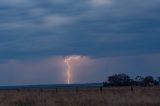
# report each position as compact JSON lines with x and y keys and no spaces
{"x":112,"y":36}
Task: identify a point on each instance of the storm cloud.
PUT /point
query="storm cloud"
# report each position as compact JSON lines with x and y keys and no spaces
{"x":88,"y":27}
{"x":42,"y":29}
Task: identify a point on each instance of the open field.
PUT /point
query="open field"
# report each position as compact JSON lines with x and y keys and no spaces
{"x":115,"y":96}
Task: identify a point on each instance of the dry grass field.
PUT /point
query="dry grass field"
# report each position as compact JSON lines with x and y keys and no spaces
{"x":114,"y":96}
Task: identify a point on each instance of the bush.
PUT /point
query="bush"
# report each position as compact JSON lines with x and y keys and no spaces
{"x":148,"y":80}
{"x":119,"y":80}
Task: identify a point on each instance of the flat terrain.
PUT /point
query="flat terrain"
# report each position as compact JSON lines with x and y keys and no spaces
{"x":114,"y":96}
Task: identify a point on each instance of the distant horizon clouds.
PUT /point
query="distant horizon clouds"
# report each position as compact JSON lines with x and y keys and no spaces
{"x":52,"y":70}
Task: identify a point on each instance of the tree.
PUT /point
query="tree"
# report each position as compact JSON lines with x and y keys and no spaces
{"x":119,"y":80}
{"x":156,"y":82}
{"x":148,"y":80}
{"x":159,"y":80}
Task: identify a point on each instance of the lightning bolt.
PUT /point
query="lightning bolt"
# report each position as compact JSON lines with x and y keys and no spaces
{"x":69,"y":60}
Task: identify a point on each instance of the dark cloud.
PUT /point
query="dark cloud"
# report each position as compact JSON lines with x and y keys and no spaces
{"x":124,"y":32}
{"x":92,"y":27}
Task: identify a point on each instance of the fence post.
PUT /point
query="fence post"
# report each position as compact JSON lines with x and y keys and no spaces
{"x":101,"y":89}
{"x":56,"y":90}
{"x":132,"y":88}
{"x":77,"y":90}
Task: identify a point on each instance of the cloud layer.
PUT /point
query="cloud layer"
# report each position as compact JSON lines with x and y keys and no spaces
{"x":98,"y":29}
{"x":88,"y":27}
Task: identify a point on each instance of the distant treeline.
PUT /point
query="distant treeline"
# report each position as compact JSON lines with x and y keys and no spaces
{"x":125,"y":80}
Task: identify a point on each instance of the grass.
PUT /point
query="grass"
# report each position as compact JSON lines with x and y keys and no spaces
{"x":114,"y":96}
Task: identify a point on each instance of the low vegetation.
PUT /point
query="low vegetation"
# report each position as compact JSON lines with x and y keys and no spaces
{"x":110,"y":96}
{"x":118,"y":90}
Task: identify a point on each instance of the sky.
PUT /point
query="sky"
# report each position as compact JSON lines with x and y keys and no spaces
{"x":111,"y":36}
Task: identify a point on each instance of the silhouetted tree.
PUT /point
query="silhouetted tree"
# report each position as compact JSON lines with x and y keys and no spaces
{"x":159,"y":80}
{"x":155,"y":82}
{"x":148,"y":80}
{"x":124,"y":80}
{"x":119,"y":80}
{"x":105,"y":84}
